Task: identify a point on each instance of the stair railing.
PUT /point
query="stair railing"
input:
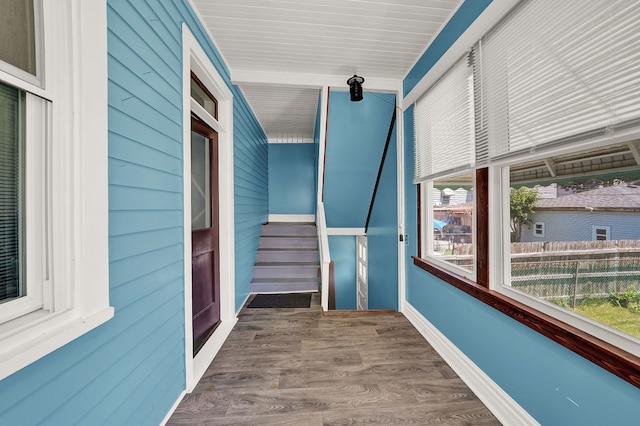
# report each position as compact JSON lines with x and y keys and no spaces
{"x":384,"y":156}
{"x":325,"y":256}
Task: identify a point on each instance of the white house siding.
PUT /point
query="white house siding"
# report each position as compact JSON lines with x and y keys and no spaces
{"x":131,"y":369}
{"x":578,"y":225}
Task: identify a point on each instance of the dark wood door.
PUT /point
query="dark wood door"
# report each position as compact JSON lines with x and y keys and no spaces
{"x":205,"y":261}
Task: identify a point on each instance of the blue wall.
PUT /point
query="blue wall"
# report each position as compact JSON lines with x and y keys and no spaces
{"x":131,"y":369}
{"x":292,"y":178}
{"x":556,"y":386}
{"x":356,"y":135}
{"x":455,"y":27}
{"x":382,"y":236}
{"x":343,"y":255}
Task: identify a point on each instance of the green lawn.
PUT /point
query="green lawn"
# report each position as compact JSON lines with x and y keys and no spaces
{"x":619,"y":318}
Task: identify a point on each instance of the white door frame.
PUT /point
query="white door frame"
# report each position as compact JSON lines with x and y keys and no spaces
{"x":195,"y":59}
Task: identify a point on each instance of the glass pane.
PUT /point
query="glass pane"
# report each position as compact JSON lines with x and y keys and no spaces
{"x":204,"y":98}
{"x":453,"y":220}
{"x":11,"y":197}
{"x":200,"y":182}
{"x":17,"y":31}
{"x":587,"y":260}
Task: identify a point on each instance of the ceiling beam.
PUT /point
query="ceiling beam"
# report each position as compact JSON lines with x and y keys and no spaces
{"x":635,"y":151}
{"x":312,"y":81}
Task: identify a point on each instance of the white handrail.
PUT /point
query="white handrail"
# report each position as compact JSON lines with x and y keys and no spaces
{"x":325,"y":256}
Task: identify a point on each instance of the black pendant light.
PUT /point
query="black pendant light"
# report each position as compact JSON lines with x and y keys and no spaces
{"x":355,"y":88}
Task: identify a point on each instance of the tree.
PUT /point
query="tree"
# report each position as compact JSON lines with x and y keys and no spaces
{"x":522,"y":202}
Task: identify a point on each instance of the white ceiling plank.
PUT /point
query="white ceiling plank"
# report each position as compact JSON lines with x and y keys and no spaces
{"x":280,"y":53}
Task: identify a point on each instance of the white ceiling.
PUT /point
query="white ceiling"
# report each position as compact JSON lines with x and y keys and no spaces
{"x":309,"y":43}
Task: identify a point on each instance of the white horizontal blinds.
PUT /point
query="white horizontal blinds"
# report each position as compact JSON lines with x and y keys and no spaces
{"x":560,"y":69}
{"x":444,"y":129}
{"x":11,"y":103}
{"x":479,"y":105}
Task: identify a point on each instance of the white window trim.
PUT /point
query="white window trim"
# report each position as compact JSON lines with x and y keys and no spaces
{"x":535,"y":229}
{"x":195,"y":59}
{"x":75,"y":84}
{"x":596,"y":228}
{"x":499,"y":241}
{"x":427,"y":198}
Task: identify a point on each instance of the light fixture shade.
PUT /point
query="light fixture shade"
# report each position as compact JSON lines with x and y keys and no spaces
{"x":355,"y":88}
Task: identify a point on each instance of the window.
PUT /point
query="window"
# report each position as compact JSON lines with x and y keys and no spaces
{"x":53,"y":178}
{"x":11,"y":182}
{"x":362,"y":275}
{"x":538,"y":229}
{"x":556,"y":125}
{"x":22,"y":25}
{"x":203,"y":97}
{"x":448,"y":234}
{"x":601,"y":233}
{"x":579,"y":268}
{"x":445,"y":156}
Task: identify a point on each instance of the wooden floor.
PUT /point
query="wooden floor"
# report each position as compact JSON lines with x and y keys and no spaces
{"x":298,"y":367}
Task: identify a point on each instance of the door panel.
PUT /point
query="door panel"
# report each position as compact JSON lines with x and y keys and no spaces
{"x":204,"y":232}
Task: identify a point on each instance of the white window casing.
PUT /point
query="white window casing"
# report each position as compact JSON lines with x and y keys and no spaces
{"x":601,"y":233}
{"x":68,"y":264}
{"x":538,"y":229}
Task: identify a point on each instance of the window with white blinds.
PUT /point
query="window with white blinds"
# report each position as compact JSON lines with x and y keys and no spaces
{"x":11,"y":197}
{"x":444,"y":125}
{"x":559,"y":71}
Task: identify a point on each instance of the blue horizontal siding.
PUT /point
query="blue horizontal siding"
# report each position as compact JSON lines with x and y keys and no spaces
{"x":131,"y":369}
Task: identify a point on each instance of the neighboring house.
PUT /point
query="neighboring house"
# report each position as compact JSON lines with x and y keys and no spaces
{"x":607,"y":213}
{"x":115,"y":144}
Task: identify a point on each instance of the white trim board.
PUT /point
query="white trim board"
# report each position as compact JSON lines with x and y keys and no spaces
{"x":173,"y":408}
{"x":506,"y":410}
{"x":291,"y":141}
{"x":194,"y":58}
{"x":312,"y":81}
{"x":346,"y":231}
{"x":292,"y":218}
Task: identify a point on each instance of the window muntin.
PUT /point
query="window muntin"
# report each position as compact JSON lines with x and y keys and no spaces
{"x":449,"y":223}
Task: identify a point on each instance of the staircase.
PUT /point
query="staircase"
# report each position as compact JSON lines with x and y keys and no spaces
{"x":287,"y":259}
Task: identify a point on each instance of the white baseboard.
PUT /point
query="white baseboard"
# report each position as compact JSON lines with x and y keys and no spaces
{"x":173,"y":408}
{"x":506,"y":410}
{"x":293,"y":218}
{"x":202,"y":361}
{"x":210,"y":349}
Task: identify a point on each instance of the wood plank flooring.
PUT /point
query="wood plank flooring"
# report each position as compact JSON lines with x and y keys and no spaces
{"x":298,"y":367}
